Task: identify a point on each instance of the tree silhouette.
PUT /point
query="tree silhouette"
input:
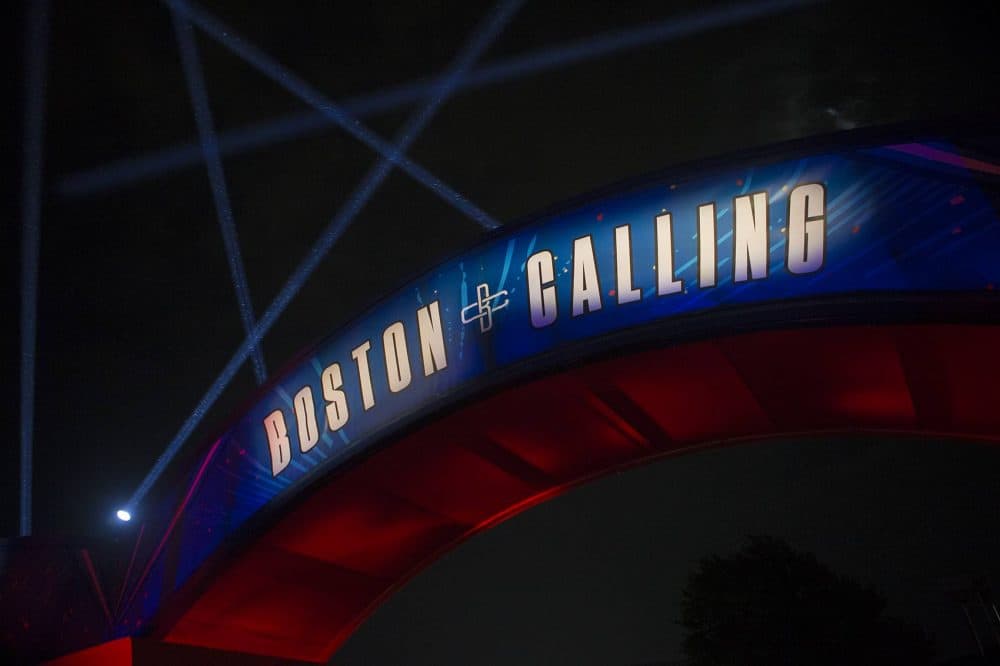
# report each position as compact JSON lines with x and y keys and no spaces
{"x":771,"y":604}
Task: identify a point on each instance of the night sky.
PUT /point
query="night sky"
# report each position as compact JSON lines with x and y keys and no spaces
{"x":137,"y":313}
{"x":595,"y":576}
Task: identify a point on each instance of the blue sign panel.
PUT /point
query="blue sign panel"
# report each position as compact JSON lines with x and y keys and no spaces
{"x":905,"y":217}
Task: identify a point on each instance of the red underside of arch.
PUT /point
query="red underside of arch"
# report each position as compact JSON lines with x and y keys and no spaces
{"x":305,"y":584}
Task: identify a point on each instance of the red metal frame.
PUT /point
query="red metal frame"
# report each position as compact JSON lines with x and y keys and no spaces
{"x":302,"y":587}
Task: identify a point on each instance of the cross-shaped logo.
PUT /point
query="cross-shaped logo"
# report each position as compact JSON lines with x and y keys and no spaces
{"x":486,"y":304}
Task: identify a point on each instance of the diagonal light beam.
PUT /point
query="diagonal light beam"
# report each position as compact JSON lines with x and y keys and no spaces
{"x":217,"y":179}
{"x":446,"y":84}
{"x":290,"y":126}
{"x":36,"y":48}
{"x":270,"y":68}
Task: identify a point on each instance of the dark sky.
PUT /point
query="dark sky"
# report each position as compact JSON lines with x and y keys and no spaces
{"x":595,"y":576}
{"x":137,"y":313}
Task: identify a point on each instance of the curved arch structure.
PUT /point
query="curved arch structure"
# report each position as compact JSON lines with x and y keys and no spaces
{"x":844,"y":286}
{"x":308,"y":581}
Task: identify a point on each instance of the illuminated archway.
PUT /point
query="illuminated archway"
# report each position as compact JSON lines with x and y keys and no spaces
{"x":799,"y":291}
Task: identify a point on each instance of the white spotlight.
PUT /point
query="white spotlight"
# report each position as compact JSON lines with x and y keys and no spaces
{"x":124,"y":515}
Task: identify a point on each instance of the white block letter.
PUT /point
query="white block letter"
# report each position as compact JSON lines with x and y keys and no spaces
{"x":397,"y":358}
{"x":665,"y":282}
{"x":806,"y":228}
{"x":750,"y":237}
{"x":336,"y":400}
{"x":540,"y":273}
{"x":586,"y":285}
{"x":706,"y":245}
{"x":627,"y":293}
{"x":360,"y":356}
{"x":305,"y":418}
{"x":277,"y":441}
{"x":431,"y":338}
